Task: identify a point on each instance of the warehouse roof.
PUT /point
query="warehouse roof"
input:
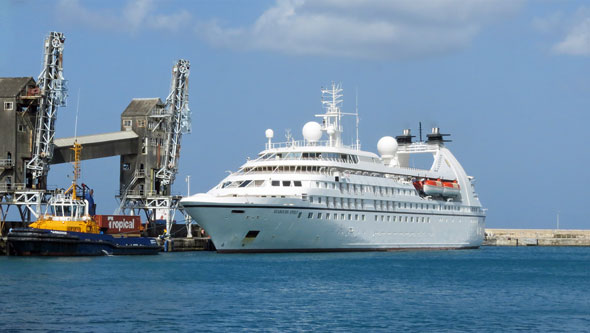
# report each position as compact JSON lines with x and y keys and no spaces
{"x":12,"y":86}
{"x":141,"y":106}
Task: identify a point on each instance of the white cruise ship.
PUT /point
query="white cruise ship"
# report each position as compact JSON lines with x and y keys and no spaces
{"x":322,"y":195}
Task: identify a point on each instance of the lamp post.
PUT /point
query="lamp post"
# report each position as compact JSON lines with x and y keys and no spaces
{"x":187,"y":217}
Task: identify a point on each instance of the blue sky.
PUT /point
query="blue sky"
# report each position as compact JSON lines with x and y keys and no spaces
{"x":510,"y":80}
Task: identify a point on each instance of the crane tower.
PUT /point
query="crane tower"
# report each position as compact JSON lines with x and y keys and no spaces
{"x":179,"y":122}
{"x":53,"y":93}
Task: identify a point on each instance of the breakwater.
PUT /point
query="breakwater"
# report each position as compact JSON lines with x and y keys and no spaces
{"x":536,"y":237}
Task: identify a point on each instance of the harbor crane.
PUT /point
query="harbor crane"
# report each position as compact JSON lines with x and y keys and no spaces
{"x":166,"y":124}
{"x":178,"y":122}
{"x":53,"y":92}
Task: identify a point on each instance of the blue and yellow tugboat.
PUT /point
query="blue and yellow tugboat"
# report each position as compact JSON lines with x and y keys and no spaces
{"x":67,"y":229}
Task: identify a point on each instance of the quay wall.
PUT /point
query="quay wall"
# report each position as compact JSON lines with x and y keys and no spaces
{"x":536,"y":237}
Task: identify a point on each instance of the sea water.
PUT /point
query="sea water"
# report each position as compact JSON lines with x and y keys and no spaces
{"x":491,"y":289}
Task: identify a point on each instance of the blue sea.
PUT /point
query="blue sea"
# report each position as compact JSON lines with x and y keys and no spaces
{"x":492,"y":289}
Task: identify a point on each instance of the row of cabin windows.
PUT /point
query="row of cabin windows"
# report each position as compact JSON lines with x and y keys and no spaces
{"x":286,"y":183}
{"x":353,"y":203}
{"x":358,"y":189}
{"x":334,"y":216}
{"x":346,"y":158}
{"x":398,"y":218}
{"x":362,"y":217}
{"x":259,"y":183}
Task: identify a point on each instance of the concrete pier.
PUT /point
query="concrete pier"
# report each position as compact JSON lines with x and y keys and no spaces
{"x":537,"y":237}
{"x":186,"y":244}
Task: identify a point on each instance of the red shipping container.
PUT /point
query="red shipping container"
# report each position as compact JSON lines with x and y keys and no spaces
{"x":117,"y":224}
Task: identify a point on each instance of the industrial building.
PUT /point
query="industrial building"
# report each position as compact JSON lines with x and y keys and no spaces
{"x":148,"y":142}
{"x":19,"y":99}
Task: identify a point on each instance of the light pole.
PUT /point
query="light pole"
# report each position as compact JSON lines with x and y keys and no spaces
{"x":187,"y":218}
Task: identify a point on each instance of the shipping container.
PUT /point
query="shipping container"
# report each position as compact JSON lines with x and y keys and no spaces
{"x":117,"y":224}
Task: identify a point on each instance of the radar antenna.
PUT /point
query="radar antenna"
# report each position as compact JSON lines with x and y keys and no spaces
{"x":332,"y":100}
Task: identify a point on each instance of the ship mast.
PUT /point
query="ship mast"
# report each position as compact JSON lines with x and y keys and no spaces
{"x":332,"y":100}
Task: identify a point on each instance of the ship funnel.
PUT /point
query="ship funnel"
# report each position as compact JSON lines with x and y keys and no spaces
{"x":436,"y":137}
{"x":406,"y":138}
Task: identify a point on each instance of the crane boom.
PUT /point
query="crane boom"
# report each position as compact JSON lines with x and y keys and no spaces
{"x":53,"y":91}
{"x":178,"y":121}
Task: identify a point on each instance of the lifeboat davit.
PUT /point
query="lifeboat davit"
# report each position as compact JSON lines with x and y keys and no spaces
{"x":440,"y":188}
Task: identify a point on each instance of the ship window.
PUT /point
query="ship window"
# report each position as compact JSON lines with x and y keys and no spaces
{"x":286,"y":183}
{"x":356,"y":217}
{"x":350,"y":216}
{"x":226,"y":184}
{"x":388,"y":218}
{"x":276,"y":183}
{"x":245,"y":183}
{"x":297,"y":183}
{"x":309,"y":215}
{"x":299,"y":215}
{"x":327,"y":216}
{"x":319,"y":215}
{"x":342,"y":216}
{"x":335,"y":216}
{"x":376,"y":217}
{"x":8,"y":106}
{"x":258,"y":182}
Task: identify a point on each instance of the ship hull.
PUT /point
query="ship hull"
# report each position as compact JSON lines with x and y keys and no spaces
{"x":235,"y":227}
{"x":39,"y":242}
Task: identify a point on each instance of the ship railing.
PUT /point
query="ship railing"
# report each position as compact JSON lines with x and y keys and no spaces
{"x":305,"y":143}
{"x":418,"y":147}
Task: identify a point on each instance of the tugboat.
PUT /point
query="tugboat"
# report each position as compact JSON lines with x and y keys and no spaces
{"x":67,"y":229}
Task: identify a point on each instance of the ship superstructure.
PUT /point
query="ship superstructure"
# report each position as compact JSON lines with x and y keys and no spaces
{"x":322,"y":195}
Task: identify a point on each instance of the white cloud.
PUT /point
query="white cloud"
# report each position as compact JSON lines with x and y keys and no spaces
{"x":135,"y":16}
{"x":362,"y":29}
{"x":577,"y":38}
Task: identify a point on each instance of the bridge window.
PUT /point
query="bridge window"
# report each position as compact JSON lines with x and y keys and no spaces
{"x":297,"y":183}
{"x":276,"y":183}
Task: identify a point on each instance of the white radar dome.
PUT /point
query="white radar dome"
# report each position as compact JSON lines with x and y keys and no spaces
{"x":387,"y":146}
{"x":269,"y":133}
{"x":331,"y":130}
{"x":312,"y":131}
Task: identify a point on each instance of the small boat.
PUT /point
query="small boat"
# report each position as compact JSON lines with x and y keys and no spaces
{"x":67,"y":229}
{"x":437,"y":187}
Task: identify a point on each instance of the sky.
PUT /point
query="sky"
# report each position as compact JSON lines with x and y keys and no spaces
{"x":509,"y":80}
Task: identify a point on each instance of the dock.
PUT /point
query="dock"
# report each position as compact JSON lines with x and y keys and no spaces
{"x":536,"y":237}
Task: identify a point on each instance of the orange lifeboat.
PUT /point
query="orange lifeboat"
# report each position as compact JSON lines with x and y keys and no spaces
{"x":440,"y":188}
{"x":451,"y":189}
